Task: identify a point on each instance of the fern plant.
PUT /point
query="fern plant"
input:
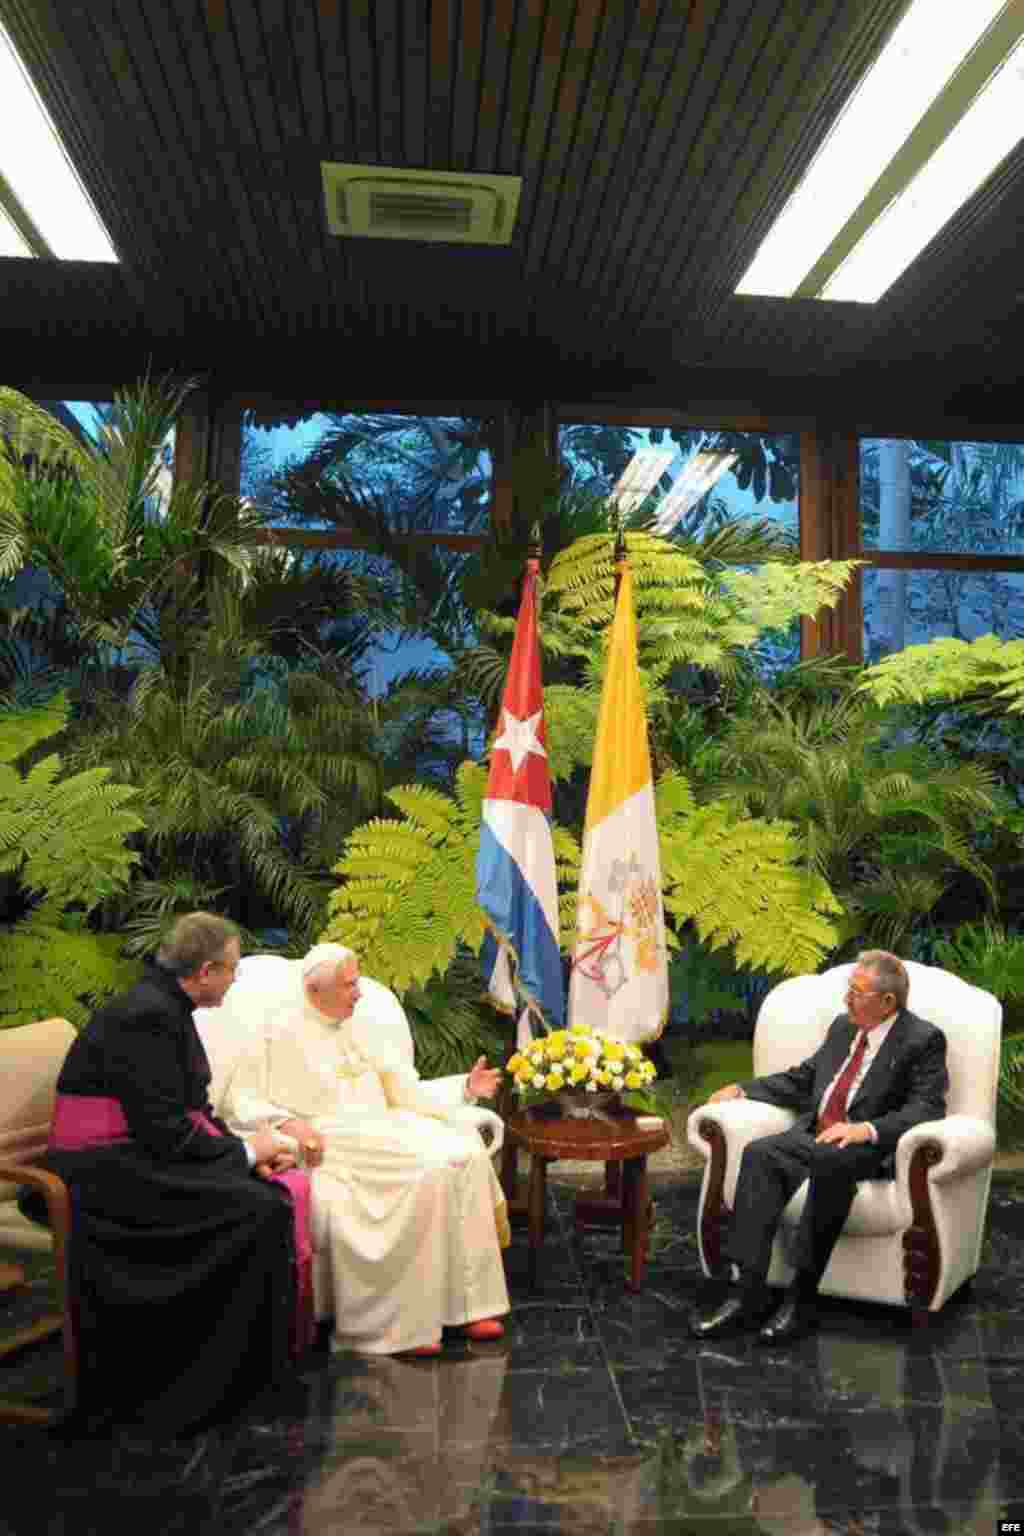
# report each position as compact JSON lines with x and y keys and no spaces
{"x":988,"y":672}
{"x":63,"y":847}
{"x":742,"y":882}
{"x":407,"y":900}
{"x":887,"y":824}
{"x":85,"y":516}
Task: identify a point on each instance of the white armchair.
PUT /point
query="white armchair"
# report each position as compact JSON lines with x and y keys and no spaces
{"x":227,"y":1031}
{"x":910,"y":1241}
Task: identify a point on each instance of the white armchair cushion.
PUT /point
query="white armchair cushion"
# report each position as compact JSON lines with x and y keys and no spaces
{"x":879,"y":1207}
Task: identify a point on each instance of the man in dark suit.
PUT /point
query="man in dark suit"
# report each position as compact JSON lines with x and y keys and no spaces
{"x":879,"y":1071}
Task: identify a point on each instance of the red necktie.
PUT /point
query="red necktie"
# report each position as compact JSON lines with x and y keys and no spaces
{"x":834,"y":1110}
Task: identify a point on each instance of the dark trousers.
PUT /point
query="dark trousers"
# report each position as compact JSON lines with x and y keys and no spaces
{"x":771,"y":1170}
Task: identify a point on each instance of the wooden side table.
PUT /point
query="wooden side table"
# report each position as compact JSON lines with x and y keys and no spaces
{"x":620,"y":1145}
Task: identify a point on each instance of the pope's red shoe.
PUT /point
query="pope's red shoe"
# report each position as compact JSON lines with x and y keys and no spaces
{"x":423,"y":1351}
{"x":485,"y":1328}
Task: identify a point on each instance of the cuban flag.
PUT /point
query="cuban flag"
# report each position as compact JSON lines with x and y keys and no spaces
{"x":515,"y":867}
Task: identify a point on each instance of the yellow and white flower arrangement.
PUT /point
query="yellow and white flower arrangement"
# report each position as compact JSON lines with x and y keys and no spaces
{"x":581,"y":1058}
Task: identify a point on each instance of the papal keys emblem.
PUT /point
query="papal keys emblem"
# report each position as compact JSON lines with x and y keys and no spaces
{"x":610,"y":949}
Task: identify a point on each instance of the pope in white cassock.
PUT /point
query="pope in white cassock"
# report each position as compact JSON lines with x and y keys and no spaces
{"x":405,"y":1202}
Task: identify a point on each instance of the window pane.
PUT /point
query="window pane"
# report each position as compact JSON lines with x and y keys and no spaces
{"x":689,"y":480}
{"x":942,"y":497}
{"x":910,"y":607}
{"x":424,"y":474}
{"x":380,"y":478}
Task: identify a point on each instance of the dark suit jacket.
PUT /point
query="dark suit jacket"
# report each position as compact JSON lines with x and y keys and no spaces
{"x":905,"y":1084}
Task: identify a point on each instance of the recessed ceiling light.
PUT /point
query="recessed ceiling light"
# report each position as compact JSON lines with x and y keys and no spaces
{"x":36,"y":168}
{"x":983,"y":138}
{"x":941,"y":57}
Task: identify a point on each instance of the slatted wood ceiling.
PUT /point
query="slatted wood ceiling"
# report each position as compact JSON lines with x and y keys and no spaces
{"x":657,"y":140}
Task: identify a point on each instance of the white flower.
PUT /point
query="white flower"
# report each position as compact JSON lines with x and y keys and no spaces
{"x":538,"y":1080}
{"x":617,"y":1084}
{"x":591,"y":1086}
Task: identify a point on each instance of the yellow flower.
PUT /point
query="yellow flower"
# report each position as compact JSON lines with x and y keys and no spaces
{"x":583,"y":1049}
{"x":555,"y":1080}
{"x":516,"y":1063}
{"x":556,"y":1049}
{"x":578,"y":1073}
{"x":524,"y":1075}
{"x":634,"y":1080}
{"x":604,"y":1078}
{"x":557,"y":1036}
{"x":614,"y":1050}
{"x":579,"y":1029}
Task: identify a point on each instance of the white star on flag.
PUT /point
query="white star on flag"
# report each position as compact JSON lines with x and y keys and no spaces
{"x":519,"y":738}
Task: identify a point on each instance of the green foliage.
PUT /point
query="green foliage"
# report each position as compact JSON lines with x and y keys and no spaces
{"x":61,"y":837}
{"x":986,"y":956}
{"x":23,"y":728}
{"x":408,"y":892}
{"x":84,"y":515}
{"x":712,"y":996}
{"x":720,"y":1062}
{"x":62,"y":845}
{"x":687,"y":611}
{"x":451,"y":1023}
{"x":773,"y":595}
{"x":886,"y":823}
{"x":742,"y":881}
{"x":51,"y":968}
{"x":987,"y":672}
{"x":1010,"y":1100}
{"x":216,"y":775}
{"x":408,"y":896}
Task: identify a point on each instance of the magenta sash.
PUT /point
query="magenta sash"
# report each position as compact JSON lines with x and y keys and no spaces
{"x":86,"y":1120}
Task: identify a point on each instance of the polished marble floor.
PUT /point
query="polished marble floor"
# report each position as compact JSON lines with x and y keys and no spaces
{"x":597,"y":1414}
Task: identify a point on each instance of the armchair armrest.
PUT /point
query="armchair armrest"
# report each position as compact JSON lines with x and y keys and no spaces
{"x":720,"y":1132}
{"x":739,"y":1120}
{"x":963,"y":1143}
{"x":58,"y":1210}
{"x":482,"y":1120}
{"x":58,"y":1205}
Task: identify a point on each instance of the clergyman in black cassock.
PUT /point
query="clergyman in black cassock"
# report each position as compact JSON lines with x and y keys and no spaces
{"x":839,"y":1138}
{"x":181,"y":1262}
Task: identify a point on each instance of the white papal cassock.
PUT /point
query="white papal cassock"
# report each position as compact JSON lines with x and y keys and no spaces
{"x":406,"y":1205}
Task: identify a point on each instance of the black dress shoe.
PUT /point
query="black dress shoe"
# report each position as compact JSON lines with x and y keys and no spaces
{"x":733,"y":1314}
{"x":796,"y":1317}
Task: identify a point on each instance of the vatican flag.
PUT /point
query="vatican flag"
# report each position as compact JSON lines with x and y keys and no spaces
{"x":619,"y":981}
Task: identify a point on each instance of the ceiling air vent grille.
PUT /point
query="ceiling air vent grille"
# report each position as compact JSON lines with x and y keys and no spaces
{"x":379,"y":202}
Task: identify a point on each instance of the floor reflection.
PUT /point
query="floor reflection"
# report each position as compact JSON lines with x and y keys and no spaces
{"x":894,"y":1435}
{"x":598,"y":1414}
